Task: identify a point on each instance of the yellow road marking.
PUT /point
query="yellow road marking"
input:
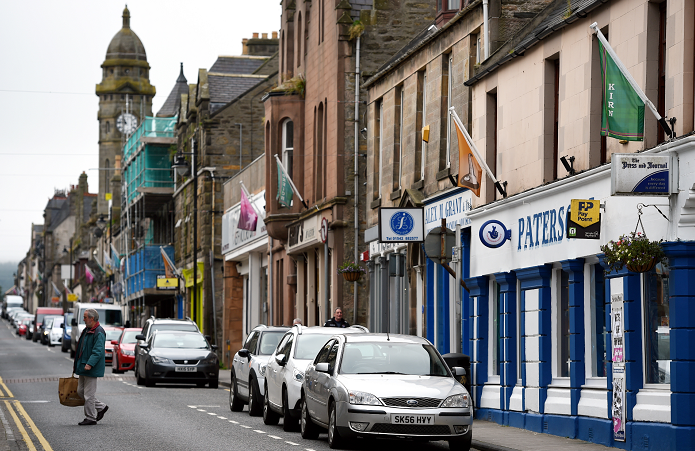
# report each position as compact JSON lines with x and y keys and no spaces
{"x":9,"y":393}
{"x":33,"y":427}
{"x":23,"y":431}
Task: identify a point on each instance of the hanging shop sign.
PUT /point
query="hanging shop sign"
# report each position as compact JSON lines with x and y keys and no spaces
{"x":72,"y":297}
{"x":493,"y":234}
{"x":167,"y":283}
{"x":640,"y":174}
{"x":584,"y":220}
{"x":232,"y":236}
{"x":452,"y":207}
{"x":401,"y":225}
{"x":304,"y":234}
{"x":188,"y":275}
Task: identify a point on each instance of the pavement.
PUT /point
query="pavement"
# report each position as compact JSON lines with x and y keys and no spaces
{"x":489,"y":436}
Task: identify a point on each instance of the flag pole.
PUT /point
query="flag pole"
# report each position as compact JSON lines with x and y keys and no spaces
{"x":633,"y":83}
{"x":474,"y":149}
{"x":289,"y":179}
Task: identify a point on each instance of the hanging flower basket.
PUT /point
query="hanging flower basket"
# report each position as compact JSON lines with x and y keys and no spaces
{"x":351,"y":271}
{"x":635,"y":251}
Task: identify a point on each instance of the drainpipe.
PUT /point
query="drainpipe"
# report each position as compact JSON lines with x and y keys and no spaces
{"x":270,"y":284}
{"x":486,"y":30}
{"x":357,"y":185}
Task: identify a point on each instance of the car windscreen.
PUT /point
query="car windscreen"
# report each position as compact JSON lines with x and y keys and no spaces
{"x":57,"y":323}
{"x":68,"y":321}
{"x":308,"y":345}
{"x":269,"y":341}
{"x":392,"y":358}
{"x":183,"y":327}
{"x":113,"y":334}
{"x":181,"y":341}
{"x":106,"y":317}
{"x":129,"y":337}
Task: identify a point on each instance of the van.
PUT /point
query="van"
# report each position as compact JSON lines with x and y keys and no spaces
{"x":109,"y":315}
{"x":11,"y":301}
{"x":41,"y":313}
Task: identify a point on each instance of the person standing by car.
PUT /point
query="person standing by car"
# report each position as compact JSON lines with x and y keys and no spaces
{"x":337,"y":320}
{"x":89,"y":365}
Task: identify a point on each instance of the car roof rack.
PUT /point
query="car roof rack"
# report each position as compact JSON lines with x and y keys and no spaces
{"x":299,"y":328}
{"x":362,"y":328}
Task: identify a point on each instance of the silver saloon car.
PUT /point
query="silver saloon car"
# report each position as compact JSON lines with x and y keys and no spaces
{"x":384,"y":386}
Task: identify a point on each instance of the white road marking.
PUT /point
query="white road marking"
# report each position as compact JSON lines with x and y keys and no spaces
{"x":68,"y":359}
{"x":309,"y":449}
{"x":275,"y":437}
{"x":292,"y":443}
{"x":222,"y":418}
{"x":212,"y":413}
{"x":247,"y":427}
{"x":260,"y":432}
{"x":232,"y":421}
{"x":192,"y":407}
{"x":201,"y":410}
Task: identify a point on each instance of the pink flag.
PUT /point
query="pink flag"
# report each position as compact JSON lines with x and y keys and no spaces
{"x":88,"y":274}
{"x":247,"y":217}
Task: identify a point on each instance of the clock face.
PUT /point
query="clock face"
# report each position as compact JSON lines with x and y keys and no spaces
{"x":127,"y":123}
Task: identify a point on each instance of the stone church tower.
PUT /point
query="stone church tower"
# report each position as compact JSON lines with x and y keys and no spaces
{"x":125,"y":98}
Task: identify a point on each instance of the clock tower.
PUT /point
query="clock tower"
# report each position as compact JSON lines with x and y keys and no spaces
{"x":125,"y":98}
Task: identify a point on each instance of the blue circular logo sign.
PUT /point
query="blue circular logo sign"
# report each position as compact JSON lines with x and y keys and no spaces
{"x":493,"y":234}
{"x":402,"y":223}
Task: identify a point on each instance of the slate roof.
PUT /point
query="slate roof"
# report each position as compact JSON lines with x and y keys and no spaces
{"x":173,"y":101}
{"x":551,"y":19}
{"x":224,"y":87}
{"x":237,"y":64}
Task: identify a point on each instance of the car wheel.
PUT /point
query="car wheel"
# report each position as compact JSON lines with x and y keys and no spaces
{"x":214,"y":384}
{"x":289,"y":424}
{"x":462,"y":445}
{"x":63,"y":348}
{"x":72,"y":354}
{"x":269,"y":417}
{"x":335,"y":441}
{"x":140,"y":380}
{"x":255,"y":408}
{"x":114,"y":366}
{"x":235,"y":403}
{"x":149,"y":382}
{"x":308,"y":429}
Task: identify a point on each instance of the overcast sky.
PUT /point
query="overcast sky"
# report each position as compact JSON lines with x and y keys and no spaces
{"x":50,"y":58}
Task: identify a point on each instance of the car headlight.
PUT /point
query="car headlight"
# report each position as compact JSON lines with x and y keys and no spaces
{"x":210,"y":360}
{"x":156,"y":359}
{"x":261,"y":368}
{"x":127,"y":352}
{"x":367,"y":399}
{"x":456,"y":401}
{"x":298,"y":375}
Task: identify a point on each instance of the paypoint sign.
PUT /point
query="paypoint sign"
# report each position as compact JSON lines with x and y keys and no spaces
{"x":584,"y":219}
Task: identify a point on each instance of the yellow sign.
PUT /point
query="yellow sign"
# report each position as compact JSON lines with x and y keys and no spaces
{"x":164,"y":283}
{"x":72,"y":297}
{"x":585,"y":212}
{"x":188,"y":275}
{"x":107,"y":196}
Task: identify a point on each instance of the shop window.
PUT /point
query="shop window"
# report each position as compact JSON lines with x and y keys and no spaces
{"x":495,"y":330}
{"x":657,"y":342}
{"x":563,"y":324}
{"x":597,"y":305}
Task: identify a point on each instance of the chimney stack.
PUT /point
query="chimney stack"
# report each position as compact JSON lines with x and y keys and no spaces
{"x":264,"y":35}
{"x":245,"y":48}
{"x":275,"y":34}
{"x":255,"y":36}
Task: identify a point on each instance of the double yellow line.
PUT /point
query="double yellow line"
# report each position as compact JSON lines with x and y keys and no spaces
{"x":20,"y":426}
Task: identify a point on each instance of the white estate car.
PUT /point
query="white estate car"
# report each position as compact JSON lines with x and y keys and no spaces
{"x":249,"y":368}
{"x":285,"y":372}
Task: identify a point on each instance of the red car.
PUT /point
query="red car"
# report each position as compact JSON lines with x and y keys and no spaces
{"x":24,"y":325}
{"x":124,"y":350}
{"x":112,"y":334}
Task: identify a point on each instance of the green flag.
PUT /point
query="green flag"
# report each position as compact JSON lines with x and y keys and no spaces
{"x":623,"y":110}
{"x":284,"y":196}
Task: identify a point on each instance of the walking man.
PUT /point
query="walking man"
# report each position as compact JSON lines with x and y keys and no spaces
{"x":337,"y":320}
{"x":89,"y":365}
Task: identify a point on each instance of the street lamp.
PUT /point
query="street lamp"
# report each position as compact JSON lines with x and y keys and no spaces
{"x":182,"y":169}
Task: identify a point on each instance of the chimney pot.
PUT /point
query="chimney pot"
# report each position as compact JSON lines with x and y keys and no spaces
{"x":275,"y":34}
{"x":255,"y":36}
{"x":264,"y":35}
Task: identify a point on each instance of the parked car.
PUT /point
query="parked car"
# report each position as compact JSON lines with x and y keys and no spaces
{"x":112,"y":334}
{"x":20,"y":316}
{"x":285,"y":372}
{"x":24,"y":325}
{"x":178,"y":357}
{"x":39,"y":315}
{"x":384,"y":386}
{"x":67,"y":329}
{"x":10,"y":301}
{"x":30,"y":329}
{"x":124,"y":351}
{"x":46,"y":327}
{"x":109,"y":315}
{"x":249,"y":366}
{"x":154,"y":324}
{"x":14,"y":313}
{"x":55,"y":331}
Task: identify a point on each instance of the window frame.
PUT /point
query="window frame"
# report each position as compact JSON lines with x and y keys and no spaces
{"x":555,"y":320}
{"x":645,"y":364}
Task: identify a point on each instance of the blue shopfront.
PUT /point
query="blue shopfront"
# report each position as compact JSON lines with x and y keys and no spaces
{"x":560,"y":346}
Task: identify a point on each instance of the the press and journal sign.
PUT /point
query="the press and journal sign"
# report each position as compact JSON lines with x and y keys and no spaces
{"x":401,"y":225}
{"x":643,"y":174}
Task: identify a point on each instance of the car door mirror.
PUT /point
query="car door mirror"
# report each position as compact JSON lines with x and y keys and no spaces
{"x":145,"y":346}
{"x":73,"y":322}
{"x":140,"y":337}
{"x":243,"y":353}
{"x":280,"y":359}
{"x":114,"y":342}
{"x":214,"y":347}
{"x":208,"y":337}
{"x":322,"y":367}
{"x":459,"y":371}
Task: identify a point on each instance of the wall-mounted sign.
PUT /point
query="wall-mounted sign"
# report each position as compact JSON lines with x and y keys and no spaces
{"x":584,"y":221}
{"x":164,"y":283}
{"x":452,"y":207}
{"x":323,"y":232}
{"x":401,"y":225}
{"x":72,"y":297}
{"x":493,"y":234}
{"x":633,"y":174}
{"x":304,"y":234}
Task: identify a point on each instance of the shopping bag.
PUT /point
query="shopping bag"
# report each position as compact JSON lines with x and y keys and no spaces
{"x":67,"y":392}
